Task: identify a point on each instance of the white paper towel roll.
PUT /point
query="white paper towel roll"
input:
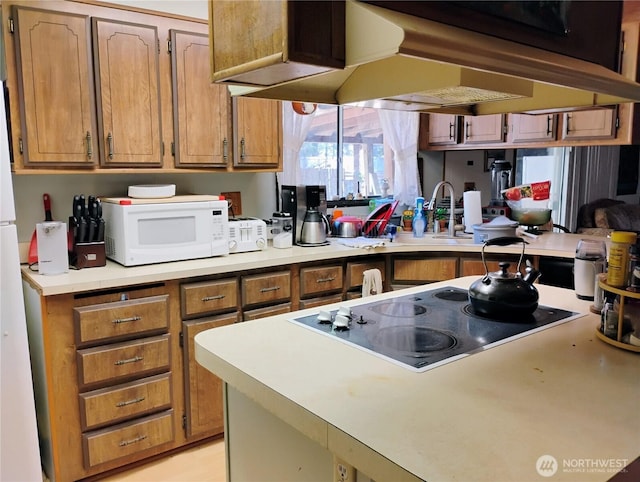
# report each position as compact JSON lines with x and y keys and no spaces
{"x":472,"y":210}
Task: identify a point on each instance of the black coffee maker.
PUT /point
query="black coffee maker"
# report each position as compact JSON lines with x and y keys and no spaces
{"x":298,"y":199}
{"x":501,"y":178}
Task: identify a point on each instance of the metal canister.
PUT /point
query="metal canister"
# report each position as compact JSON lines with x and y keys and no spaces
{"x":634,"y":268}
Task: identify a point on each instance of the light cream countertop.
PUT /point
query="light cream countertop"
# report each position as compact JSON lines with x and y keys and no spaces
{"x":486,"y":417}
{"x":114,"y":275}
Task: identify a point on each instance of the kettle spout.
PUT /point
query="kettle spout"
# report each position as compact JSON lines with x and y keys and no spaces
{"x":532,"y":274}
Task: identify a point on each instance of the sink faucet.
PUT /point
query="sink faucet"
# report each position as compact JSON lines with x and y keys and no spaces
{"x":432,"y":202}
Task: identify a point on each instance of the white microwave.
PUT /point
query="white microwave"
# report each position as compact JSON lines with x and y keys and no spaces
{"x":146,"y":231}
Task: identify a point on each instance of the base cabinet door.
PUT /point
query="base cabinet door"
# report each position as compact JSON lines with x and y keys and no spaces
{"x":203,"y":393}
{"x":424,"y":270}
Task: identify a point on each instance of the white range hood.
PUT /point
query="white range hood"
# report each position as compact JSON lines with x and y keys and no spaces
{"x":402,"y":62}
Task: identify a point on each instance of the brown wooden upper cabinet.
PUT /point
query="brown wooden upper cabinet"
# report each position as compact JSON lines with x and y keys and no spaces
{"x":452,"y":130}
{"x":531,"y":127}
{"x":590,"y":124}
{"x":55,"y":87}
{"x":265,"y":43}
{"x":483,"y":129}
{"x":201,"y":109}
{"x":127,"y":86}
{"x":443,"y":129}
{"x":257,"y":133}
{"x":73,"y":116}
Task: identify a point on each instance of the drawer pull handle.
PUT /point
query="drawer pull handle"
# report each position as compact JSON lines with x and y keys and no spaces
{"x":129,"y":360}
{"x":126,"y":320}
{"x":272,"y":288}
{"x":212,"y":298}
{"x":139,"y":438}
{"x":130,"y":402}
{"x":325,"y":280}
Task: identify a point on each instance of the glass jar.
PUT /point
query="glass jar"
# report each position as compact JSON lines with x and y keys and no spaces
{"x":617,"y":272}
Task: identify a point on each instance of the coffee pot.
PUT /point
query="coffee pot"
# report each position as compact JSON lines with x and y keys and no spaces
{"x":315,"y":228}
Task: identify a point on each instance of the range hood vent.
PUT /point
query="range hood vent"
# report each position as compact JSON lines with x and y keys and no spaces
{"x":401,"y":62}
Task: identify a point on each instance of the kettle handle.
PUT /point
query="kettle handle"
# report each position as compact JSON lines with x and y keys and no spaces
{"x":327,"y":224}
{"x":503,"y":241}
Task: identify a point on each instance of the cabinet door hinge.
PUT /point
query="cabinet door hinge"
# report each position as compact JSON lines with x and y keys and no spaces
{"x":11,"y":26}
{"x":162,"y":148}
{"x":20,"y":147}
{"x":184,"y":421}
{"x":169,"y":46}
{"x":181,"y":340}
{"x":173,"y":148}
{"x":617,"y":124}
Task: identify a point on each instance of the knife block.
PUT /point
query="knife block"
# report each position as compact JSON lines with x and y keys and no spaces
{"x":89,"y":255}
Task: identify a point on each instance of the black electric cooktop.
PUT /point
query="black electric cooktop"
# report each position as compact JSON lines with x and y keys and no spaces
{"x":430,"y":328}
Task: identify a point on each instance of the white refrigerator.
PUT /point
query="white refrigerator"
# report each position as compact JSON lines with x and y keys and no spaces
{"x":19,"y":451}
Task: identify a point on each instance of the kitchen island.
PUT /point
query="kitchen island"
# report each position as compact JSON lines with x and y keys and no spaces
{"x":298,"y":404}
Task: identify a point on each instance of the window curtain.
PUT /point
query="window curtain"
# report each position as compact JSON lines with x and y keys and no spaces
{"x":295,"y":128}
{"x":400,"y":131}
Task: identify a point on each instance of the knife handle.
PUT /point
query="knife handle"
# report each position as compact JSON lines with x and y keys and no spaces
{"x":100,"y":234}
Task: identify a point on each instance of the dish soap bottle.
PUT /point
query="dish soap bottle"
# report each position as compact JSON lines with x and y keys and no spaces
{"x":419,"y":222}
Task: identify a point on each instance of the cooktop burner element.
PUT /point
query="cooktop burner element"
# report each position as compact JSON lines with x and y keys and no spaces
{"x":430,"y":328}
{"x":405,"y":309}
{"x":414,"y":341}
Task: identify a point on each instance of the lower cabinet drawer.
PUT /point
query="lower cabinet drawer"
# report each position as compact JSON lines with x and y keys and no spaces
{"x":266,"y":288}
{"x":120,"y":361}
{"x":106,"y":406}
{"x":319,"y":280}
{"x":122,"y":440}
{"x":197,"y":299}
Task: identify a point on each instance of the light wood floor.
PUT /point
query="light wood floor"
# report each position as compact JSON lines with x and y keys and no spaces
{"x":204,"y":463}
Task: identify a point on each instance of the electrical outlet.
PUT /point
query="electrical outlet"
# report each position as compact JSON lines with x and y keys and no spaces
{"x":343,"y":472}
{"x":235,"y":200}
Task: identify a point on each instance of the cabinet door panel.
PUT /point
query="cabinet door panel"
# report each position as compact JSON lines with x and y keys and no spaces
{"x":257,"y":133}
{"x":424,"y":270}
{"x":483,"y":128}
{"x":127,"y":85}
{"x":201,"y":108}
{"x":203,"y":390}
{"x":443,"y":129}
{"x":55,"y":85}
{"x":590,"y":124}
{"x":527,"y":127}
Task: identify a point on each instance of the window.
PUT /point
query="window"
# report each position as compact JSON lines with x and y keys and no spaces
{"x":344,"y":149}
